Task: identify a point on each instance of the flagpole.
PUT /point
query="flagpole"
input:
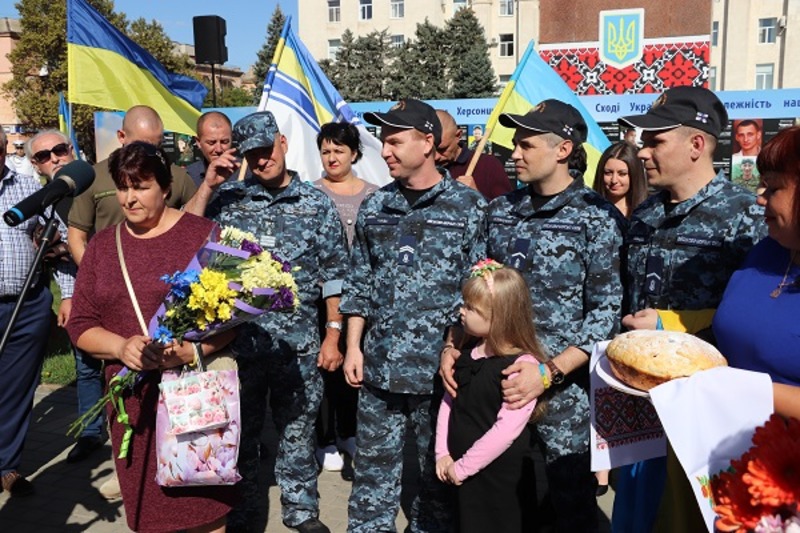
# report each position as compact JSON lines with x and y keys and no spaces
{"x":262,"y":105}
{"x":498,"y":108}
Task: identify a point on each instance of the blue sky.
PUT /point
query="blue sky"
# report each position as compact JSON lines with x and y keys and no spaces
{"x":246,"y":20}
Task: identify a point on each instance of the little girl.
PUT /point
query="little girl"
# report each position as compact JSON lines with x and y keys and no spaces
{"x":480,"y":443}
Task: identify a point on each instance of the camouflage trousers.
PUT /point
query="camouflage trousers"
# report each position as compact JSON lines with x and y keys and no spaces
{"x":382,"y":423}
{"x":294,"y":385}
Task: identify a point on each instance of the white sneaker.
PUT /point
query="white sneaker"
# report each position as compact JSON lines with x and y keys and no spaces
{"x":110,"y":489}
{"x":330,"y":459}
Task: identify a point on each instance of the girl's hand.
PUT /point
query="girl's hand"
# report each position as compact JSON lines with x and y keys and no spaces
{"x":451,"y":475}
{"x":441,"y":468}
{"x":139,"y":353}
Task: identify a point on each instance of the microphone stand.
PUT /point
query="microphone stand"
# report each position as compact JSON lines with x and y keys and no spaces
{"x":47,"y":239}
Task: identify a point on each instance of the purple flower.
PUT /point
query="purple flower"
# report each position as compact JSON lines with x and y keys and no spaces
{"x":284,"y":300}
{"x":285,"y":266}
{"x":251,"y":247}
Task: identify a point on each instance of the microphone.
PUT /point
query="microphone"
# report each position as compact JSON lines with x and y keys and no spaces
{"x":71,"y":180}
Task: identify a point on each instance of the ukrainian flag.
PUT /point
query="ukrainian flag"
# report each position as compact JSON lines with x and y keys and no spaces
{"x":107,"y":69}
{"x":65,"y":124}
{"x":533,"y":81}
{"x":302,"y":98}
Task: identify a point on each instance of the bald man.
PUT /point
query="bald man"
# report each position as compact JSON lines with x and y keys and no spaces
{"x":489,"y":177}
{"x":97,"y":207}
{"x":214,"y":132}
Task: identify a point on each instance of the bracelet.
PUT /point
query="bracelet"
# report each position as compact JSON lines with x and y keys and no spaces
{"x":545,"y":377}
{"x":198,"y":354}
{"x":333,"y":324}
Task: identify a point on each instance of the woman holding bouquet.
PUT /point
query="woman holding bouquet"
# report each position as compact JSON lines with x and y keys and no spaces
{"x":155,"y":240}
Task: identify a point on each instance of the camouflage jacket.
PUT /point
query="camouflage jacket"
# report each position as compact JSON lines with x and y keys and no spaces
{"x":568,"y":252}
{"x":682,"y":259}
{"x":407,"y":266}
{"x":301,"y":225}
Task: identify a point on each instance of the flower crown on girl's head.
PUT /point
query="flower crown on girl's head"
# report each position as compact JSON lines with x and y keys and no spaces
{"x":484,"y":269}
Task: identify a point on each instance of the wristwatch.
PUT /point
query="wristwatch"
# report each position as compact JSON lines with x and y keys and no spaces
{"x":556,"y":375}
{"x":333,"y":325}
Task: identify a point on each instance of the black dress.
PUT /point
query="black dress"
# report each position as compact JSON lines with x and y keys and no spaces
{"x":491,"y":500}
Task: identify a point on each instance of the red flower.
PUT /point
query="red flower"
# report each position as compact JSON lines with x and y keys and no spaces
{"x":774,"y":472}
{"x":735,"y":508}
{"x":765,"y":481}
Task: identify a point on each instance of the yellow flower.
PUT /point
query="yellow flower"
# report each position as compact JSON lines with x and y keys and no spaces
{"x":211,"y":296}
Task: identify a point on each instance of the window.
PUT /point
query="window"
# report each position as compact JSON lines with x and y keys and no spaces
{"x":506,"y":44}
{"x":398,"y":9}
{"x":366,"y":10}
{"x":712,"y":78}
{"x":714,"y":33}
{"x":459,"y":4}
{"x":504,"y":79}
{"x":764,"y":76}
{"x":334,"y":11}
{"x":506,"y":8}
{"x":766,"y":30}
{"x":333,"y":47}
{"x":398,"y":41}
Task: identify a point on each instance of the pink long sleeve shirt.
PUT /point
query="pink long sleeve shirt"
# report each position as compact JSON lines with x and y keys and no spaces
{"x":507,"y":427}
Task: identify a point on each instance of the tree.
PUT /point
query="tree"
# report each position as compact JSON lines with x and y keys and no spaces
{"x":431,"y":63}
{"x":469,"y":66}
{"x":39,"y":63}
{"x":267,"y":52}
{"x":338,"y":70}
{"x":372,"y":55}
{"x":404,"y":80}
{"x":229,"y":97}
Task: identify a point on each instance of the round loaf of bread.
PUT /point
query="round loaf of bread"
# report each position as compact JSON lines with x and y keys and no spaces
{"x":646,"y":358}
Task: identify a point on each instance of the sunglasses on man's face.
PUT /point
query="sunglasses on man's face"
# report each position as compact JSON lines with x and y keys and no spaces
{"x":43,"y":156}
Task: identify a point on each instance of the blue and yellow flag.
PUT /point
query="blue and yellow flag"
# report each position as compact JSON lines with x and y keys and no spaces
{"x":533,"y":81}
{"x":302,"y":98}
{"x":107,"y":69}
{"x":65,"y":124}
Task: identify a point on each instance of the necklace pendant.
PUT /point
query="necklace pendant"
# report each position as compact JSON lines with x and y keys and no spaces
{"x":777,"y":292}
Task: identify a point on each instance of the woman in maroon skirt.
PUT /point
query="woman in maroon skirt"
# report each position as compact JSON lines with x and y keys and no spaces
{"x":156,"y":240}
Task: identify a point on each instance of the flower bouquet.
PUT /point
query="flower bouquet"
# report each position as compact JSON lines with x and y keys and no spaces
{"x":761,"y":490}
{"x":230,"y":280}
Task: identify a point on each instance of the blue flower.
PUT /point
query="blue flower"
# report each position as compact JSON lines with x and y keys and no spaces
{"x":181,"y":283}
{"x":163,"y":335}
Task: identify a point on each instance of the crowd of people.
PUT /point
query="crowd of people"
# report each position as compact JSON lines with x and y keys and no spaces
{"x":448,"y":309}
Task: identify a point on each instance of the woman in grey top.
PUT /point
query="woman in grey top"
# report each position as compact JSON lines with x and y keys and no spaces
{"x":339,"y":148}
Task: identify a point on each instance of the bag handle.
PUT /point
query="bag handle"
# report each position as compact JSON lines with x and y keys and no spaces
{"x":127,"y":278}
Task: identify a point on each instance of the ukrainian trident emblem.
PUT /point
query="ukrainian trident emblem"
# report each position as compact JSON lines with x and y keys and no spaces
{"x":621,"y":36}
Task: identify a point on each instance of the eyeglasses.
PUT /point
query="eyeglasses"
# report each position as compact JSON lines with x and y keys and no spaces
{"x":42,"y":156}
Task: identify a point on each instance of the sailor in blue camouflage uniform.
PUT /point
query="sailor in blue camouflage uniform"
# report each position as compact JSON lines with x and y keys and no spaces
{"x":415,"y":241}
{"x":281,"y":352}
{"x":565,"y":241}
{"x":683,"y":245}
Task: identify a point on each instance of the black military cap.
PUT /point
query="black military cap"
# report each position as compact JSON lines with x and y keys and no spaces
{"x":409,"y":114}
{"x":550,"y":116}
{"x":683,"y":106}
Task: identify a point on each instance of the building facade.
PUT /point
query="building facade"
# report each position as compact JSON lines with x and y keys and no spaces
{"x":9,"y":35}
{"x":509,"y":24}
{"x":751,"y":43}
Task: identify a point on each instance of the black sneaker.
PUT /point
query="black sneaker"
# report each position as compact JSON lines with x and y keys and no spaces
{"x":312,"y":525}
